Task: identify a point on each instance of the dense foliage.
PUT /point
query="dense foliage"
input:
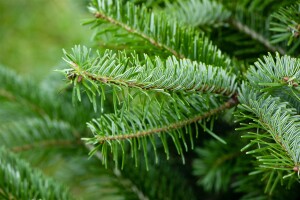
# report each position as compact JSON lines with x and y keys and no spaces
{"x":194,"y":99}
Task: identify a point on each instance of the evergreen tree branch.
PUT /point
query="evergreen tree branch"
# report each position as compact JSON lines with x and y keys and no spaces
{"x":136,"y":126}
{"x":19,"y":181}
{"x":169,"y":127}
{"x":180,"y":41}
{"x":34,"y":133}
{"x":144,"y":36}
{"x":256,"y":36}
{"x":169,"y":99}
{"x":198,"y":13}
{"x":276,"y":142}
{"x":278,"y":72}
{"x":270,"y":72}
{"x":285,"y":24}
{"x":17,"y":89}
{"x":279,"y":76}
{"x":214,"y":161}
{"x":122,"y":72}
{"x":119,"y":175}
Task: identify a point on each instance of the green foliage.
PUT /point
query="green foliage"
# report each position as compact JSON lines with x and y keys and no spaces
{"x":172,"y":77}
{"x":277,"y":123}
{"x":183,"y":42}
{"x":274,"y":135}
{"x":172,"y":181}
{"x":276,"y":138}
{"x":270,"y":73}
{"x":114,"y":130}
{"x":213,"y":165}
{"x":246,"y":35}
{"x":19,"y":181}
{"x":154,"y":81}
{"x":285,"y":24}
{"x":199,"y":13}
{"x":33,"y":132}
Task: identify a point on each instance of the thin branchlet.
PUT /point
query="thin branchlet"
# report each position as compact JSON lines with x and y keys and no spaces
{"x":144,"y":36}
{"x":256,"y":36}
{"x":229,"y":104}
{"x":121,"y":82}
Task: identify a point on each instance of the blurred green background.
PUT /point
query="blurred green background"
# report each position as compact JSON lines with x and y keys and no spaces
{"x":34,"y":32}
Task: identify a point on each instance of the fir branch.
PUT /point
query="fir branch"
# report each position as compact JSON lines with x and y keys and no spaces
{"x":279,"y":72}
{"x":113,"y":130}
{"x":169,"y":127}
{"x":127,"y":182}
{"x":198,"y":13}
{"x":276,"y":142}
{"x":18,"y":89}
{"x":33,"y":133}
{"x":214,"y":161}
{"x":255,"y":35}
{"x":279,"y":76}
{"x":286,"y":24}
{"x":180,"y":41}
{"x":278,"y":138}
{"x":169,"y":98}
{"x":28,"y":96}
{"x":19,"y":181}
{"x":144,"y":36}
{"x":122,"y":72}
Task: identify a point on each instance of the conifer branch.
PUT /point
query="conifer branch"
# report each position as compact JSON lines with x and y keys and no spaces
{"x":144,"y":36}
{"x":177,"y":82}
{"x":281,"y":73}
{"x":130,"y":84}
{"x":196,"y":69}
{"x":34,"y":133}
{"x":23,"y":101}
{"x":113,"y":130}
{"x":169,"y":127}
{"x":198,"y":13}
{"x":122,"y":72}
{"x":277,"y":120}
{"x":157,"y":29}
{"x":19,"y":181}
{"x":286,"y":25}
{"x":256,"y":36}
{"x":119,"y":175}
